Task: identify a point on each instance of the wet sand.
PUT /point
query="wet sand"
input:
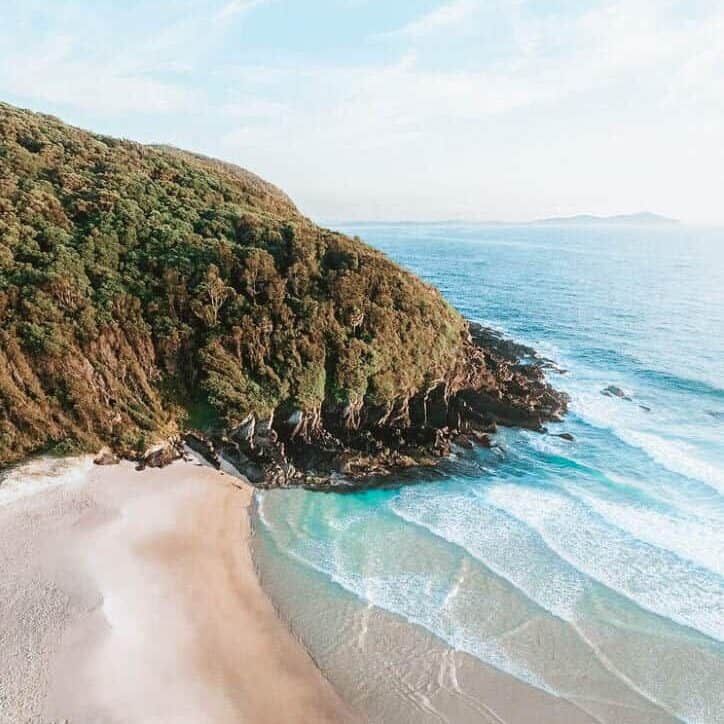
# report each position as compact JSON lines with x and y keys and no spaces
{"x":132,"y":597}
{"x":390,"y":669}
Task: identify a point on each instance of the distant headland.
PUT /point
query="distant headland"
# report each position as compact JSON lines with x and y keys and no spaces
{"x":643,"y":217}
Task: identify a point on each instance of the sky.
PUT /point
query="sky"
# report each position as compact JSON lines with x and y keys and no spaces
{"x":401,"y":109}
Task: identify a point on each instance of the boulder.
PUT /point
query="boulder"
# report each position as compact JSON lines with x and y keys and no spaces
{"x":482,"y":438}
{"x":404,"y":461}
{"x":161,"y":455}
{"x":614,"y":391}
{"x":106,"y":456}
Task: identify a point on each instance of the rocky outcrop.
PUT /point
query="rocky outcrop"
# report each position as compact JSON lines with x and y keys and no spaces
{"x":614,"y":391}
{"x":161,"y":455}
{"x":204,"y":446}
{"x":106,"y":456}
{"x":617,"y":392}
{"x":500,"y":383}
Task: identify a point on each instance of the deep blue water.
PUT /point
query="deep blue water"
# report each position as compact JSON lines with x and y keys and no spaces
{"x":618,"y":536}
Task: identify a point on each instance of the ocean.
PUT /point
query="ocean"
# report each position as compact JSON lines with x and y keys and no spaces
{"x":592,"y":570}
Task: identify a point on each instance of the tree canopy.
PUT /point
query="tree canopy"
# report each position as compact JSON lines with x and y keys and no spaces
{"x":139,"y":282}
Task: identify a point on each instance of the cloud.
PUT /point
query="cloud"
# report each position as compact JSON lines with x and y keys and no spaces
{"x":251,"y":107}
{"x":82,"y":63}
{"x":94,"y":89}
{"x":235,"y":7}
{"x":55,"y":71}
{"x":447,"y":15}
{"x":529,"y":100}
{"x":615,"y":88}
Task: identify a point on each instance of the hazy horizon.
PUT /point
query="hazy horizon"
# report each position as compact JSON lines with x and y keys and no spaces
{"x":594,"y":219}
{"x":417,"y":110}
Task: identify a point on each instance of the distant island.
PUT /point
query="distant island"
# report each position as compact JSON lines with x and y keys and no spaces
{"x":639,"y":219}
{"x":644,"y":217}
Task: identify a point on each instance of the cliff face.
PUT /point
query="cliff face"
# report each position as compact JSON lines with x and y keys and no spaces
{"x":143,"y":289}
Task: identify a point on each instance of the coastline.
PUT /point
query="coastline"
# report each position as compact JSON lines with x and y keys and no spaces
{"x":388,"y":668}
{"x":391,"y":664}
{"x":133,"y":597}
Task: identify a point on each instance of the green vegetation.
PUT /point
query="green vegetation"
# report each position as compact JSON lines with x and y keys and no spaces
{"x":138,"y":282}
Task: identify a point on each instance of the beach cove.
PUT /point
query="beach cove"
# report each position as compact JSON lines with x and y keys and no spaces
{"x":132,"y":597}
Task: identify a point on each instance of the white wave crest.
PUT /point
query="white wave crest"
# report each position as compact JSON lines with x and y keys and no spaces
{"x":679,"y":457}
{"x":630,"y":424}
{"x":655,"y":579}
{"x":698,"y":541}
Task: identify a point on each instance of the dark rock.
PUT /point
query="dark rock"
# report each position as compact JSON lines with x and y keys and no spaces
{"x":490,"y":428}
{"x":254,"y":474}
{"x":566,"y":436}
{"x":465,"y":442}
{"x":437,"y":407}
{"x":614,"y":391}
{"x":202,"y":445}
{"x":161,"y":455}
{"x":404,"y":461}
{"x":488,"y":338}
{"x":482,"y":438}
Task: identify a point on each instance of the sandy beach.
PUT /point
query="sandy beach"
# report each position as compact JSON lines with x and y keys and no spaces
{"x":132,"y":597}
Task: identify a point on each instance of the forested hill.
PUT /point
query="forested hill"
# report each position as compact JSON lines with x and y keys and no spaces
{"x":137,"y":283}
{"x":146,"y":289}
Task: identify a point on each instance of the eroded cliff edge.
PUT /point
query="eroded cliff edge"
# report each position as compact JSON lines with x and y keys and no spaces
{"x":145,"y":291}
{"x":338,"y":447}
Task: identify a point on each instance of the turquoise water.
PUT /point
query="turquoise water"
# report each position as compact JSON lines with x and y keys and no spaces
{"x":614,"y":541}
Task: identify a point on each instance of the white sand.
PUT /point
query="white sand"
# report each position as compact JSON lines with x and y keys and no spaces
{"x":131,"y":597}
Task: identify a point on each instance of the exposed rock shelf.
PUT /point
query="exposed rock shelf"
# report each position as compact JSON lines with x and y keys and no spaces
{"x":335,"y":448}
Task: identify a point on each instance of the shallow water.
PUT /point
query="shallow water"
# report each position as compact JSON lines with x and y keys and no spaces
{"x":592,"y":569}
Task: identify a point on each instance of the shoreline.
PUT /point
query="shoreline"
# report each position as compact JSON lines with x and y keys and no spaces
{"x":132,"y":597}
{"x":391,"y":669}
{"x":391,"y":665}
{"x":152,"y":596}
